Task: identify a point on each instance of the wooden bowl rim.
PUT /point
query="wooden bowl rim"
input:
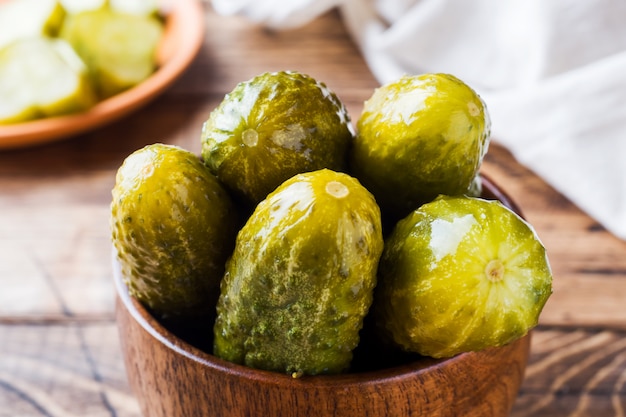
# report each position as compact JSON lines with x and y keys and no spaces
{"x":162,"y":335}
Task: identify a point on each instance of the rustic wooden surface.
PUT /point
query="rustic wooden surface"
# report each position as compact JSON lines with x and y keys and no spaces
{"x":59,"y":348}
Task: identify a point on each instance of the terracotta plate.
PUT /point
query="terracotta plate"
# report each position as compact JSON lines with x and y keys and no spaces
{"x":184,"y":33}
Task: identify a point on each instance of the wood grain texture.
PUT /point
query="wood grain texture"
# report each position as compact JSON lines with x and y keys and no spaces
{"x":575,"y":373}
{"x":66,"y":370}
{"x":59,"y":349}
{"x":76,"y":369}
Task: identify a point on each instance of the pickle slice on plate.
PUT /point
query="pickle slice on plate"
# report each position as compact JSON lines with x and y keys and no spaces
{"x":42,"y":77}
{"x":136,"y":7}
{"x":418,"y":137}
{"x":26,"y":18}
{"x":119,"y":49}
{"x":77,"y":6}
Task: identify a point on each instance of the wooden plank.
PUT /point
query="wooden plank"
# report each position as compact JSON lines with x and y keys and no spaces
{"x":76,"y":369}
{"x":575,"y":373}
{"x":237,"y":50}
{"x":67,"y":370}
{"x":56,"y":261}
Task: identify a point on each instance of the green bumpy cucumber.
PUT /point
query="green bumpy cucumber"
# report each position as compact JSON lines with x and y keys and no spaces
{"x":272,"y":127}
{"x":301,"y":277}
{"x":173,"y":227}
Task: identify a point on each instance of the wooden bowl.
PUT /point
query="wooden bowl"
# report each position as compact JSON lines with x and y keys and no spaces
{"x":171,"y":377}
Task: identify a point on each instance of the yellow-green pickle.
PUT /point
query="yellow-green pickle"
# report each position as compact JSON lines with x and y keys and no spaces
{"x":173,"y":226}
{"x":461,"y":274}
{"x":301,"y":278}
{"x":418,"y":137}
{"x":118,"y":48}
{"x":272,"y":127}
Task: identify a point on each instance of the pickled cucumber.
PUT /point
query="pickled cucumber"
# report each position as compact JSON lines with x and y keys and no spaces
{"x":461,"y":274}
{"x":272,"y":127}
{"x":301,"y":278}
{"x":418,"y":137}
{"x":173,"y":227}
{"x":21,"y":19}
{"x":41,"y":77}
{"x":118,"y":48}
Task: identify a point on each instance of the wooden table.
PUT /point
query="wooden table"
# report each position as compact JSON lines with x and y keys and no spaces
{"x":59,"y":347}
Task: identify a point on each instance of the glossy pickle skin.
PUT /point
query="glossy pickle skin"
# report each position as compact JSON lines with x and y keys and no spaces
{"x":434,"y":296}
{"x":173,"y":226}
{"x":301,"y":278}
{"x":273,"y":127}
{"x":418,"y":137}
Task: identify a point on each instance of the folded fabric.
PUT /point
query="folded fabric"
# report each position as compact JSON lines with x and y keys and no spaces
{"x":553,"y":75}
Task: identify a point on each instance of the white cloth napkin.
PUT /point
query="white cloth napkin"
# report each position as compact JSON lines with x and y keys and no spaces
{"x":553,"y":75}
